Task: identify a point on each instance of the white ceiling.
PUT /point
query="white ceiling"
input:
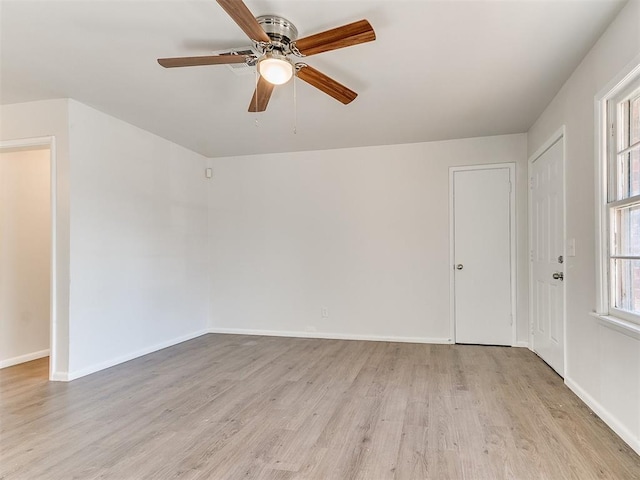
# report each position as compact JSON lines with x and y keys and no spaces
{"x":438,"y":69}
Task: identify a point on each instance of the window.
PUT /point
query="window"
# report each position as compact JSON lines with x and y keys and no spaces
{"x":623,"y":201}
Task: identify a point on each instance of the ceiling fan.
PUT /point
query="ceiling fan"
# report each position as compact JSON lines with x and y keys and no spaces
{"x":275,"y":41}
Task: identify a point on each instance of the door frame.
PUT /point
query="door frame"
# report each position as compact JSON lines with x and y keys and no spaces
{"x":50,"y":143}
{"x":512,"y":240}
{"x":558,"y":135}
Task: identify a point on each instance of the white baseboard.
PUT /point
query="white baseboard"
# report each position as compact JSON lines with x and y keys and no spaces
{"x":125,"y":358}
{"x":523,"y":344}
{"x":10,"y":362}
{"x":59,"y":377}
{"x":331,"y":336}
{"x":621,"y":430}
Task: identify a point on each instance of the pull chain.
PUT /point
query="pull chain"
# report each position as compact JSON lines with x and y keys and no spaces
{"x":295,"y":105}
{"x":256,"y":97}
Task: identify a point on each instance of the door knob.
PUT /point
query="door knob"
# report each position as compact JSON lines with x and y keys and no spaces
{"x":459,"y":266}
{"x":558,"y":276}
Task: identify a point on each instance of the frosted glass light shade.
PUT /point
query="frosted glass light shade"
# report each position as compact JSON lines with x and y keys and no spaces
{"x":275,"y":69}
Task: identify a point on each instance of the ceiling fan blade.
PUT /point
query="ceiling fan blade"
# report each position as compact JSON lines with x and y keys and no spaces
{"x":206,"y":60}
{"x":240,"y":14}
{"x":328,"y":85}
{"x":261,"y":96}
{"x":340,"y":37}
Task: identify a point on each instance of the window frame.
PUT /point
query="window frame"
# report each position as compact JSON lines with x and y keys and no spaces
{"x":627,"y":84}
{"x":614,"y":203}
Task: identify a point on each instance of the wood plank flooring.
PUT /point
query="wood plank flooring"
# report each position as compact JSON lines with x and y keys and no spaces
{"x":242,"y":407}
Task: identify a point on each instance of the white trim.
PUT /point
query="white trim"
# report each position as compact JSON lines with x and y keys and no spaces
{"x":49,"y":142}
{"x":513,"y":233}
{"x":602,"y":281}
{"x":619,"y":428}
{"x":622,"y":314}
{"x":452,"y":260}
{"x":522,"y":344}
{"x":26,"y":143}
{"x":10,"y":362}
{"x":512,"y":237}
{"x":129,"y":356}
{"x":210,"y":186}
{"x":621,"y":325}
{"x":629,"y":149}
{"x":557,"y":136}
{"x":59,"y":377}
{"x":330,"y":336}
{"x":565,"y":347}
{"x":53,"y":301}
{"x":624,"y":202}
{"x":630,"y":70}
{"x":551,"y":141}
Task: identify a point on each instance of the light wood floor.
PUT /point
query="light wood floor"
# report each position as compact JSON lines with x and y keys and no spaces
{"x":235,"y":407}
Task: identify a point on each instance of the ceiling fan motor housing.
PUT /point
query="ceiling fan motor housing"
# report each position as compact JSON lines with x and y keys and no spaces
{"x":280,"y":30}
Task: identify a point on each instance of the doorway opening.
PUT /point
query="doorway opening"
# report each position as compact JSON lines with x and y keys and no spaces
{"x":27,"y":254}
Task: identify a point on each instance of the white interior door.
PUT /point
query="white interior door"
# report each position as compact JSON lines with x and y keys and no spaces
{"x":546,"y":181}
{"x":482,"y":255}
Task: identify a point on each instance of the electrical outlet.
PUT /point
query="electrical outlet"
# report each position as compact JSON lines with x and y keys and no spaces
{"x":324,"y":312}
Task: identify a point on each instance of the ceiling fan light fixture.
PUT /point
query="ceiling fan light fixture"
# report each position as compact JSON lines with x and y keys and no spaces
{"x":275,"y":68}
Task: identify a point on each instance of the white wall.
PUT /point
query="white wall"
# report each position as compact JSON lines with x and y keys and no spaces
{"x":362,"y":232}
{"x":138,"y":242}
{"x":131,"y":235}
{"x":603,"y":364}
{"x":25,"y":255}
{"x":44,"y":119}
